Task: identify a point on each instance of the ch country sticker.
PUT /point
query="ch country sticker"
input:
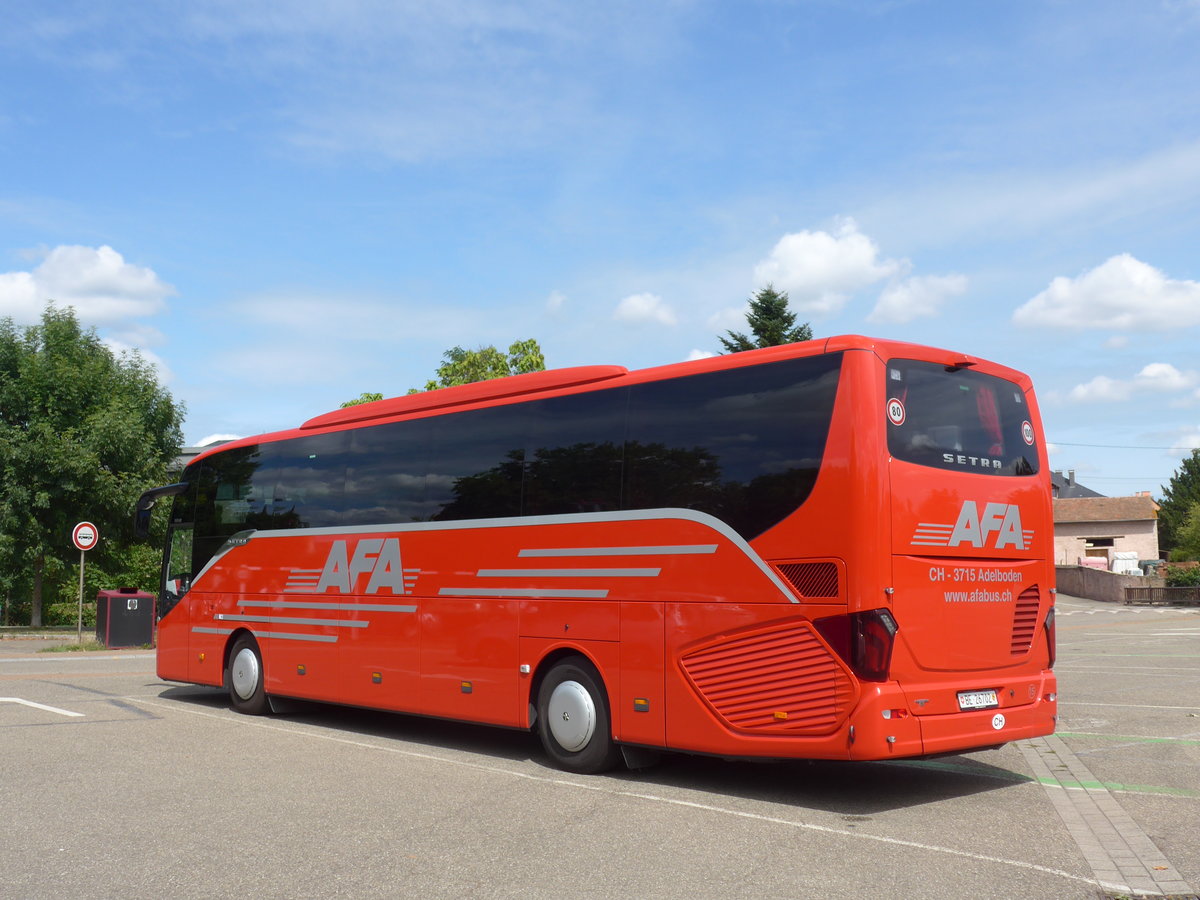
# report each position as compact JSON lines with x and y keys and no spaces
{"x":377,"y":560}
{"x":998,"y":526}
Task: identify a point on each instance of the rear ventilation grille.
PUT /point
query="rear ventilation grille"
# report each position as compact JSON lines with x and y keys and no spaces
{"x":780,"y":680}
{"x":812,"y":579}
{"x":1025,"y":618}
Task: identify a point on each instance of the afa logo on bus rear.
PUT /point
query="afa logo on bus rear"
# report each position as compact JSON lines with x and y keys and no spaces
{"x":997,"y":526}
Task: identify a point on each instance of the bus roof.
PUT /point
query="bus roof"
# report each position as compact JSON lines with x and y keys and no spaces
{"x":533,"y":383}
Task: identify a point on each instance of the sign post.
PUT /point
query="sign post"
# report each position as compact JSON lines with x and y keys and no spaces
{"x":84,"y":536}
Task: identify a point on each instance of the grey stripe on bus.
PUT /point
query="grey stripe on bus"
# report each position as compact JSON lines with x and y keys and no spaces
{"x":678,"y":550}
{"x":568,"y":573}
{"x":349,"y":607}
{"x":281,"y":635}
{"x":289,"y":620}
{"x":533,"y":593}
{"x":289,"y":636}
{"x":630,"y":515}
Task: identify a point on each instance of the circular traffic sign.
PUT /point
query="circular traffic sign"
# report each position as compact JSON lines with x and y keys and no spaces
{"x":85,"y":536}
{"x":895,"y":411}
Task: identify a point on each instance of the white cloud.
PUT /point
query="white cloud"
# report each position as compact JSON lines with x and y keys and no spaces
{"x":947,"y":208}
{"x":645,"y":308}
{"x":119,"y":345}
{"x":1165,"y":377}
{"x":1155,"y":378}
{"x":1123,"y":293}
{"x":555,"y":302}
{"x":916,"y":297}
{"x":1100,"y":389}
{"x":102,"y":287}
{"x":214,"y":438}
{"x":1189,"y":440}
{"x":701,"y":354}
{"x":730,"y":318}
{"x":820,"y":270}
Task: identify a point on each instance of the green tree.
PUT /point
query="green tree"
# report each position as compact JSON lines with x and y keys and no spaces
{"x":364,"y":397}
{"x":1187,"y":537}
{"x":1178,"y":498}
{"x":771,"y":323}
{"x":82,"y":433}
{"x":461,"y":366}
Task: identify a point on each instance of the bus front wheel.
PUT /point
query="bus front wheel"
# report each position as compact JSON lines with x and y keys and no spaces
{"x":246,"y":692}
{"x":573,"y":720}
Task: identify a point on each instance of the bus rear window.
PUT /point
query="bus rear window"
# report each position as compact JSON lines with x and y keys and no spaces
{"x":958,"y":419}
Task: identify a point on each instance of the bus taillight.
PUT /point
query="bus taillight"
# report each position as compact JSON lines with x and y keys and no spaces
{"x":864,"y":640}
{"x":1051,"y":638}
{"x":874,"y":635}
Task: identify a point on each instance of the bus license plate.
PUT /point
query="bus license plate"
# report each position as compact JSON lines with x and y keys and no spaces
{"x":977,"y":700}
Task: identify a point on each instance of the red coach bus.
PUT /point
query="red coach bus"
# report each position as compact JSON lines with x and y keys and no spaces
{"x":838,"y":549}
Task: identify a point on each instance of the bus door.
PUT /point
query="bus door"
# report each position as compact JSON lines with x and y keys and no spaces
{"x":174,"y":626}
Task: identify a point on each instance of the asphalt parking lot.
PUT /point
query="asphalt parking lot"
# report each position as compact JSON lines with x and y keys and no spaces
{"x":116,"y":784}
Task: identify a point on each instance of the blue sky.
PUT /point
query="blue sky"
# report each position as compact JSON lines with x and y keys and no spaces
{"x":285,"y":204}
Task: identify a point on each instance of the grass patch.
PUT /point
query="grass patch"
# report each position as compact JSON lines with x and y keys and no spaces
{"x":74,"y":647}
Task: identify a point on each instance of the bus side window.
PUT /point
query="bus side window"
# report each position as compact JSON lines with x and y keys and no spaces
{"x":178,"y":575}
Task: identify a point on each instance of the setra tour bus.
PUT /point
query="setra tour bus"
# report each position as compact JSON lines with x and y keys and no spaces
{"x":837,"y":549}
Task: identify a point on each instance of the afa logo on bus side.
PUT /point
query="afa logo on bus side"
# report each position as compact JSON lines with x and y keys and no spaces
{"x":377,"y":557}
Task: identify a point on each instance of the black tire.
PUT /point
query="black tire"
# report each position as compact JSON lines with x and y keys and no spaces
{"x":247,"y":693}
{"x":573,"y":718}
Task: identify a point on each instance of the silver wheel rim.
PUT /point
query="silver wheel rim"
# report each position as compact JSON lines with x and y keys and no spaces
{"x":243,"y":673}
{"x":571,"y":715}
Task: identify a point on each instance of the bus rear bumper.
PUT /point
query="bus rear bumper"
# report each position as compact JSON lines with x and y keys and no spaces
{"x":883,"y":728}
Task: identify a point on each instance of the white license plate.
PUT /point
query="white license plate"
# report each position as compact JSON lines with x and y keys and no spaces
{"x":977,"y":699}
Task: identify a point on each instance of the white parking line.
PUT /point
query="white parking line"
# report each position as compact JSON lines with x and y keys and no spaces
{"x":1073,"y":702}
{"x":604,"y":786}
{"x":53,"y":709}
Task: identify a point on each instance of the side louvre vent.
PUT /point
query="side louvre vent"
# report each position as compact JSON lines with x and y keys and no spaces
{"x":812,"y":579}
{"x":778,"y":680}
{"x":1025,"y":620}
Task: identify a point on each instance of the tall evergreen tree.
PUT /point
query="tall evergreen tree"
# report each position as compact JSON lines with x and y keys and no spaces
{"x":1178,"y":498}
{"x":82,"y":433}
{"x":770,"y":321}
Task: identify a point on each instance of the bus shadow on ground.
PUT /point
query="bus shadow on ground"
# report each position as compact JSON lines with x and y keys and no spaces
{"x":856,"y":790}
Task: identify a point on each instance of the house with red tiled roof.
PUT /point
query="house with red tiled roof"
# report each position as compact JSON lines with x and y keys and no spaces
{"x":1092,"y":530}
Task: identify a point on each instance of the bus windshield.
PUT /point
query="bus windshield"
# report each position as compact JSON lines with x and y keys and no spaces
{"x":958,"y":419}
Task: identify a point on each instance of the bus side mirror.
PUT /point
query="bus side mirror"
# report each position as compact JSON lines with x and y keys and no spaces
{"x":141,"y":515}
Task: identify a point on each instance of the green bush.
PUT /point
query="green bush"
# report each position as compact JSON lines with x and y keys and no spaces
{"x":1183,"y":576}
{"x":68,"y":614}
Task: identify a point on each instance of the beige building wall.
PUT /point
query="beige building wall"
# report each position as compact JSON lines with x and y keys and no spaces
{"x":1070,"y":540}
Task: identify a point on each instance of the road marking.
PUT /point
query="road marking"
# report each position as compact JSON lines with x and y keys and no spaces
{"x":53,"y":709}
{"x":1141,"y":670}
{"x":1126,"y":705}
{"x":1161,"y":610}
{"x":72,"y":657}
{"x":1018,"y":778}
{"x":602,"y":786}
{"x":1129,"y":737}
{"x":1119,"y":853}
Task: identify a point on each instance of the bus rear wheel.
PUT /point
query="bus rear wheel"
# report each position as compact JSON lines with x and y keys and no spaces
{"x":245,"y":677}
{"x":573,"y":719}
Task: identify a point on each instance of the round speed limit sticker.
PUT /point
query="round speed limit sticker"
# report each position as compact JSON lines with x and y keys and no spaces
{"x":1027,"y":432}
{"x":895,"y":411}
